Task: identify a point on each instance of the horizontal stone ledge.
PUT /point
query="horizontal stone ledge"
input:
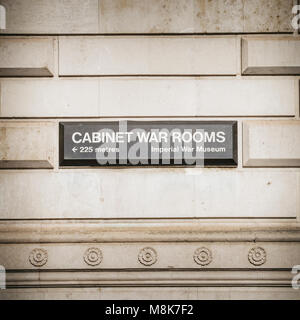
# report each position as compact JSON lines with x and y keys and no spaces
{"x":26,"y":57}
{"x":27,"y":145}
{"x":147,"y":231}
{"x":132,"y":97}
{"x":147,"y":277}
{"x":271,"y":56}
{"x":273,"y":143}
{"x":153,"y":255}
{"x":149,"y":193}
{"x":151,"y":293}
{"x":185,"y":55}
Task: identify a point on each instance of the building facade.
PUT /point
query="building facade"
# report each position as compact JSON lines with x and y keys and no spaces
{"x":150,"y":232}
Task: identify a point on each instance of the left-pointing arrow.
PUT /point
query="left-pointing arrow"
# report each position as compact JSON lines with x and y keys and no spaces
{"x":74,"y":149}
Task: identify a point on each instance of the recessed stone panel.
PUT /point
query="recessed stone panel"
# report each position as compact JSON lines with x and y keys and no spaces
{"x":26,"y":57}
{"x":271,"y":143}
{"x":188,"y":55}
{"x":27,"y":144}
{"x":271,"y":56}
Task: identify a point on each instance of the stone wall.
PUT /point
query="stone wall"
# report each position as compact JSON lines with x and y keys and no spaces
{"x":176,"y":233}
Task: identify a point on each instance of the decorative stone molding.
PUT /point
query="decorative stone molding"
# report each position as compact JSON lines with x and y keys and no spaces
{"x":257,"y":256}
{"x":147,"y":256}
{"x":38,"y":257}
{"x":93,"y":256}
{"x":203,"y":256}
{"x":160,"y":231}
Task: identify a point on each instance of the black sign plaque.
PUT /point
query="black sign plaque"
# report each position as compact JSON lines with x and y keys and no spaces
{"x":148,"y":143}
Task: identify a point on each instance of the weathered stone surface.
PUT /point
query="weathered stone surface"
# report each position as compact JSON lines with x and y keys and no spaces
{"x":158,"y":16}
{"x":55,"y":16}
{"x":27,"y":144}
{"x":181,"y":16}
{"x":49,"y":98}
{"x":276,"y":55}
{"x":90,"y":56}
{"x":271,"y":143}
{"x":30,"y":57}
{"x":170,"y":16}
{"x":267,"y":15}
{"x":148,"y":97}
{"x":145,"y":193}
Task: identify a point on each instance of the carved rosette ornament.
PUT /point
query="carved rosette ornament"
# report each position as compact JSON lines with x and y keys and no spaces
{"x":38,"y":257}
{"x":257,"y":256}
{"x":203,"y":256}
{"x":93,"y":256}
{"x":147,"y":256}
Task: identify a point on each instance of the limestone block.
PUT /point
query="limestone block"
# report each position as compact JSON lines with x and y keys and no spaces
{"x":49,"y":98}
{"x":55,"y":16}
{"x":267,"y":56}
{"x":27,"y":144}
{"x":271,"y":143}
{"x":144,"y":16}
{"x":149,"y":192}
{"x":172,"y":16}
{"x":268,"y":16}
{"x":182,"y":16}
{"x":146,"y":97}
{"x":186,"y":55}
{"x":31,"y":57}
{"x":197,"y":97}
